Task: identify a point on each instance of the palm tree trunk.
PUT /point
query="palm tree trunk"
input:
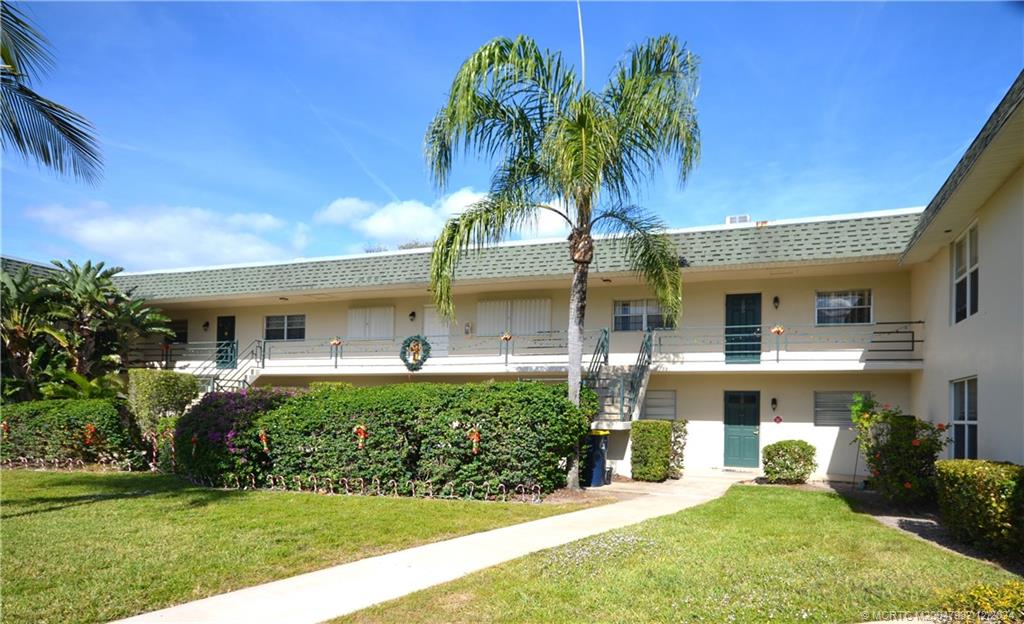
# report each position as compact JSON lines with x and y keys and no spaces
{"x":577,"y":312}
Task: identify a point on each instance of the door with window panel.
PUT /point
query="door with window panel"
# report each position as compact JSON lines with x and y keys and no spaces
{"x":965,"y":418}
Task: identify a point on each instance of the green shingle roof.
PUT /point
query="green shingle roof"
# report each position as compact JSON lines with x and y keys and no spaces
{"x":860,"y":238}
{"x":13,"y":265}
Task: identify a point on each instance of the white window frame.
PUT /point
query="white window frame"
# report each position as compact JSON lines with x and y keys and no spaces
{"x":648,"y":305}
{"x":846,"y":420}
{"x":971,"y":274}
{"x":960,"y":387}
{"x":287,"y":319}
{"x":870,"y":306}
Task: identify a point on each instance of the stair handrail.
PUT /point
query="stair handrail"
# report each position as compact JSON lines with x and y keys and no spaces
{"x":639,"y":372}
{"x":250,"y":357}
{"x":599,"y":357}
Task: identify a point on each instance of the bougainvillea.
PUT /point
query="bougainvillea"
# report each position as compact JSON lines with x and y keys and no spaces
{"x":219,"y":433}
{"x":900,"y":450}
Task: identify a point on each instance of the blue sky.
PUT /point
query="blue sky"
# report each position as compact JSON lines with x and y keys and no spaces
{"x":240,"y":132}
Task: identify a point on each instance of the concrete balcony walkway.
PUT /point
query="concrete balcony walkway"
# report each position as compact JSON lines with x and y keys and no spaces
{"x":333,"y":592}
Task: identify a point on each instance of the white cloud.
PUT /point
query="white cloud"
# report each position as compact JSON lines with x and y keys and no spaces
{"x":344,"y":210}
{"x":401,"y":221}
{"x":165,"y":237}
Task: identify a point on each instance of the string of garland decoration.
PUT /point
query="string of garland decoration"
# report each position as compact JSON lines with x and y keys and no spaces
{"x":414,"y":352}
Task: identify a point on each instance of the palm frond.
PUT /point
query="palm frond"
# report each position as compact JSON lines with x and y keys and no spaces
{"x":488,"y":221}
{"x":652,"y":94}
{"x":501,"y":99}
{"x":649,"y":252}
{"x":52,"y":134}
{"x":24,"y":49}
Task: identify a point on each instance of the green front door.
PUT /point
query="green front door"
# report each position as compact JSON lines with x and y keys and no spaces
{"x":227,"y":348}
{"x":742,"y":422}
{"x":743,"y":328}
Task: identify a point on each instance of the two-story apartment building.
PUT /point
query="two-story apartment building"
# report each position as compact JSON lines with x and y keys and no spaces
{"x":782,"y":321}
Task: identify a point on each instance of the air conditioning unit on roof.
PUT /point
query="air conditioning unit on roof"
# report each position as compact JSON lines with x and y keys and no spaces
{"x":734,"y":219}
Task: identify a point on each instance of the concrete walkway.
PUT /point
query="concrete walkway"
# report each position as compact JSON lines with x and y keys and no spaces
{"x":333,"y":592}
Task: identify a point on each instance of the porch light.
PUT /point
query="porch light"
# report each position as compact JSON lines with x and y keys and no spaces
{"x":775,"y":403}
{"x":206,"y":326}
{"x":412,"y":316}
{"x":469,"y":328}
{"x":775,"y":302}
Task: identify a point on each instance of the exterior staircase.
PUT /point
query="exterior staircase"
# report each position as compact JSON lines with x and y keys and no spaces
{"x":620,"y":390}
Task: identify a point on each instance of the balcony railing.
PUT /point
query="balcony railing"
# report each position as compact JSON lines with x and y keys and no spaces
{"x":338,"y":352}
{"x":751,"y":344}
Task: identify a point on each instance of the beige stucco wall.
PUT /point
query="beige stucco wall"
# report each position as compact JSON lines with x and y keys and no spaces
{"x":700,"y":401}
{"x":989,"y":344}
{"x":703,"y":305}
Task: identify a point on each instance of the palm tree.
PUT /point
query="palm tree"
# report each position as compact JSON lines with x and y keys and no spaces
{"x":23,"y":327}
{"x":41,"y":129}
{"x":134,"y":321}
{"x":574,"y":152}
{"x":84,"y":305}
{"x":571,"y":151}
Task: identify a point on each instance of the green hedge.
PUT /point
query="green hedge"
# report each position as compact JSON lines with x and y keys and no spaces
{"x":91,"y":430}
{"x":986,"y":604}
{"x":982,"y":502}
{"x":157,"y":394}
{"x":416,"y":431}
{"x":652,"y":448}
{"x":788,"y":461}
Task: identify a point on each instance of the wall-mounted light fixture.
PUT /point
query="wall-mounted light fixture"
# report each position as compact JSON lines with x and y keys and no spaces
{"x":468,"y":328}
{"x":206,"y":326}
{"x":412,"y":316}
{"x":775,"y":403}
{"x":775,"y":302}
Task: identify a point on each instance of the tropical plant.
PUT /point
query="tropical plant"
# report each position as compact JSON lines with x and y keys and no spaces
{"x":74,"y":319}
{"x":23,"y":325}
{"x":571,"y":151}
{"x":40,"y":129}
{"x":71,"y":385}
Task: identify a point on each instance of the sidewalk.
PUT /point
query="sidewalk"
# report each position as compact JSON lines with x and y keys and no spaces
{"x":333,"y":592}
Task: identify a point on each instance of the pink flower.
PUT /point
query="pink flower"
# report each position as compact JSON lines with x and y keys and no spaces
{"x":915,"y":442}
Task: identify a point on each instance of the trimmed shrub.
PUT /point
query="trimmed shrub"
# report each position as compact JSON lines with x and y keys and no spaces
{"x":652,"y":447}
{"x":156,"y":394}
{"x":91,"y":430}
{"x":982,"y":502}
{"x":675,"y":460}
{"x":987,"y":603}
{"x":216,"y":438}
{"x":522,"y":433}
{"x":900,"y":450}
{"x":788,"y":461}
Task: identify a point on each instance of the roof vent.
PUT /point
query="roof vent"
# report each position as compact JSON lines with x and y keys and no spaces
{"x":734,"y":219}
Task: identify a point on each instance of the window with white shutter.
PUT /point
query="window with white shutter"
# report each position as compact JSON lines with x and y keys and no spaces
{"x":832,"y":409}
{"x":521,"y":317}
{"x":659,"y":405}
{"x":377,"y":323}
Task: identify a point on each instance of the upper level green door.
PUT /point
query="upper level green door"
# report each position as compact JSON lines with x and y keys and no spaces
{"x":227,"y":348}
{"x":742,"y":426}
{"x":743,"y":328}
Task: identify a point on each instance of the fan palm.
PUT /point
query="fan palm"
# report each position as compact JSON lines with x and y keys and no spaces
{"x":574,"y":152}
{"x":37,"y":127}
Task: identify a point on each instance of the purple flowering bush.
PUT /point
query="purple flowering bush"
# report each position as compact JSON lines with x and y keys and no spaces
{"x":216,"y":439}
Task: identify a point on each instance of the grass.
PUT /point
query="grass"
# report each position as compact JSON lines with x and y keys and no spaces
{"x":757,"y":554}
{"x":90,"y":547}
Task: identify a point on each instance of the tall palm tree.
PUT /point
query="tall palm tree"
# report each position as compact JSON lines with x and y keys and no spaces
{"x":574,"y":152}
{"x":571,"y":151}
{"x":37,"y":127}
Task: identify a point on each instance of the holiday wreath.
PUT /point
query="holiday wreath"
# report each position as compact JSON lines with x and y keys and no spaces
{"x":414,"y":352}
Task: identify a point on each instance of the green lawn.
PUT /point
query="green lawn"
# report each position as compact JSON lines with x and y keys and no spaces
{"x":89,"y":547}
{"x":756,"y":555}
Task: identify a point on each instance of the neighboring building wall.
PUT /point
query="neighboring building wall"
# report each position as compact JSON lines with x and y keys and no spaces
{"x":700,"y":401}
{"x":989,"y":344}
